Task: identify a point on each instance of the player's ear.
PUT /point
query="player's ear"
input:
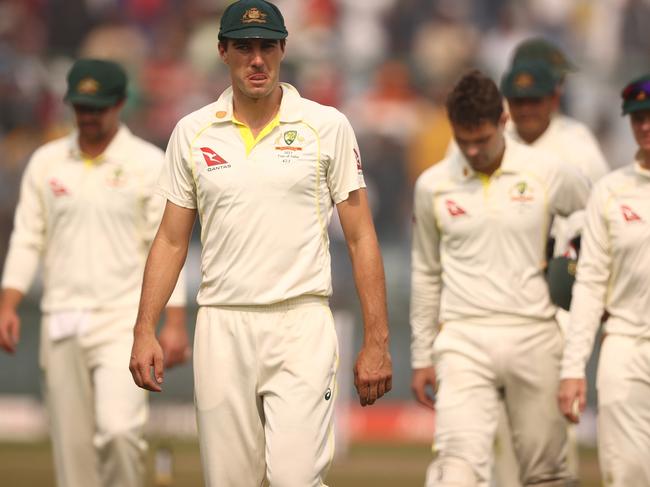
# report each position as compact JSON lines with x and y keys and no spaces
{"x":222,"y":47}
{"x":283,"y":45}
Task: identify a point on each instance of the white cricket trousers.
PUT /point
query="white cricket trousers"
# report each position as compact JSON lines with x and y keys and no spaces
{"x":623,"y":384}
{"x":264,"y":379}
{"x":96,"y":412}
{"x":475,"y":366}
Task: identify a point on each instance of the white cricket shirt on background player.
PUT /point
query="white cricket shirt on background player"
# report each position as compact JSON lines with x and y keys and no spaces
{"x":265,"y":204}
{"x":479,"y":243}
{"x":613,"y":270}
{"x":573,"y":143}
{"x":92,"y":221}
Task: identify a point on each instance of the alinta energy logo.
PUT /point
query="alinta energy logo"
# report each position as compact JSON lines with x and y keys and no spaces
{"x":454,"y":209}
{"x":213,"y":160}
{"x":629,"y":214}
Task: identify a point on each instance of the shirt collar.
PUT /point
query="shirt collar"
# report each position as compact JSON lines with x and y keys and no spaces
{"x":115,"y":149}
{"x":509,"y":163}
{"x":290,"y":106}
{"x":638,"y":168}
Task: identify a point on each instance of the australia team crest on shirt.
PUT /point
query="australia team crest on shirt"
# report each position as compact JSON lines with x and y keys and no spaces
{"x":522,"y":192}
{"x":289,"y":146}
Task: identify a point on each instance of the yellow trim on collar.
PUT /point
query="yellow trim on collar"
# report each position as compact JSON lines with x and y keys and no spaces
{"x":247,"y":134}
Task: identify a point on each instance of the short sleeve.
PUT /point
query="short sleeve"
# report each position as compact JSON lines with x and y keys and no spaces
{"x":345,"y":172}
{"x":176,"y":181}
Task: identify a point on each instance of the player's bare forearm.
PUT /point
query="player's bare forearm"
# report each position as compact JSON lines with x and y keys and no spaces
{"x":373,"y":369}
{"x":164,"y":264}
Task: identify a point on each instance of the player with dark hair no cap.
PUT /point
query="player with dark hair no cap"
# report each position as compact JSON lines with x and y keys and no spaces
{"x":264,"y":168}
{"x":613,"y":276}
{"x":88,"y":209}
{"x":483,"y":326}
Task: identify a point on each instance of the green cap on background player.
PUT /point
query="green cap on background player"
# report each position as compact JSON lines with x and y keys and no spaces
{"x":96,"y":83}
{"x":636,"y":95}
{"x":541,"y":50}
{"x":528,"y":80}
{"x":252,"y":19}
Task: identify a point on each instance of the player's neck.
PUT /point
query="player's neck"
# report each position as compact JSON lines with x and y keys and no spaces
{"x":91,"y":147}
{"x":644,"y":159}
{"x":256,"y":113}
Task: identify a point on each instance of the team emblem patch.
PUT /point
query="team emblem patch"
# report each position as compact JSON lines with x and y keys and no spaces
{"x":88,"y":86}
{"x":521,"y":192}
{"x":117,"y":178}
{"x":290,"y":136}
{"x":253,"y":15}
{"x":524,"y":80}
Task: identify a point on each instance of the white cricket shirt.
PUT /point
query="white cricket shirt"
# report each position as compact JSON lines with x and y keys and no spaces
{"x":264,"y":205}
{"x":614,"y":266}
{"x":92,"y":222}
{"x":573,"y":143}
{"x":478,"y":243}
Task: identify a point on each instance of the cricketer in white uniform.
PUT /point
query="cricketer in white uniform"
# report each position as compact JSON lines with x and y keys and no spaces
{"x":613,"y":276}
{"x":263,"y":168}
{"x":483,"y":326}
{"x":531,"y":87}
{"x":88,"y":209}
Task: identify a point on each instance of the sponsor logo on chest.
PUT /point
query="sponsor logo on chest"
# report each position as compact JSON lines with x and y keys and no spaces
{"x":629,"y":215}
{"x":213,"y":160}
{"x":454,"y":209}
{"x":58,"y":188}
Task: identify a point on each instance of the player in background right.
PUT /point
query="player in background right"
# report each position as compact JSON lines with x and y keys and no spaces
{"x":533,"y":86}
{"x":613,"y":276}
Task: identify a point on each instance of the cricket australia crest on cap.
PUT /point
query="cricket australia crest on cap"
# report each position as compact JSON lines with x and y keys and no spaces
{"x":88,"y":86}
{"x":253,"y":15}
{"x":524,"y":80}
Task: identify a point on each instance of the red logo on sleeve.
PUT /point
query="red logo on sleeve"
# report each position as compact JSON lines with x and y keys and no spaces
{"x":212,"y":158}
{"x":629,"y":214}
{"x":453,"y":208}
{"x":358,"y":157}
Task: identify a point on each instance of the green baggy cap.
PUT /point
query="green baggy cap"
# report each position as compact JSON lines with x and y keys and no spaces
{"x":252,"y":19}
{"x":96,"y":83}
{"x":538,"y":49}
{"x":636,"y":95}
{"x":528,"y":80}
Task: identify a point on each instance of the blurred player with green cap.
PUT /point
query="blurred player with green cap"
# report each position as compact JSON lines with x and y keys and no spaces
{"x":89,"y":212}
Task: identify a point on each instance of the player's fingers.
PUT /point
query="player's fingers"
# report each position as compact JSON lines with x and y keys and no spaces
{"x":381,"y":388}
{"x":6,"y":343}
{"x":389,"y":384}
{"x":15,"y":332}
{"x":362,"y":391}
{"x":372,"y":393}
{"x":421,"y":396}
{"x":158,"y":368}
{"x":144,"y":369}
{"x":135,"y":372}
{"x":582,"y":400}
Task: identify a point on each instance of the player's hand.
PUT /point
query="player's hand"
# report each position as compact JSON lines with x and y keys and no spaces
{"x":373,"y":373}
{"x":145,"y":354}
{"x":9,"y":329}
{"x":572,"y":398}
{"x":421,"y":379}
{"x":175,"y":343}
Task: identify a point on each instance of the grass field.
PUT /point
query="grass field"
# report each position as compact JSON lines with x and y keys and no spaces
{"x":366,"y":465}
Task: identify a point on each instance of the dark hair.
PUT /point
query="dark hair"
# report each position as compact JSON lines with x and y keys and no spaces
{"x":475,"y":99}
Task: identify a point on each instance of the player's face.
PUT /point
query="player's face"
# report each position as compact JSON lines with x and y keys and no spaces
{"x":96,"y":125}
{"x":482,"y":145}
{"x":254,"y":65}
{"x":641,"y":127}
{"x":532,"y":116}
